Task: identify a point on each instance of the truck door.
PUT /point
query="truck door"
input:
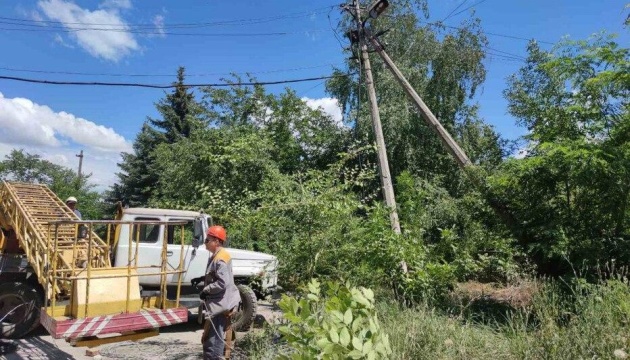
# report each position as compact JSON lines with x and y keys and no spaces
{"x":195,"y":260}
{"x":149,"y":249}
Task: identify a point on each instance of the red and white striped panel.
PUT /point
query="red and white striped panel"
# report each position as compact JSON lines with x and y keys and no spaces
{"x":100,"y":325}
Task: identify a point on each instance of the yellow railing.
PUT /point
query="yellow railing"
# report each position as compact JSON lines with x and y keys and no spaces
{"x":76,"y":271}
{"x":27,"y":209}
{"x":85,"y":301}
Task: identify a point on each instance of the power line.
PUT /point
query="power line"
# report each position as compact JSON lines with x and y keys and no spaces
{"x":179,"y":25}
{"x":155,"y":86}
{"x":498,"y":57}
{"x":313,"y":87}
{"x":470,"y":7}
{"x":452,"y":11}
{"x":335,"y":30}
{"x":438,"y":23}
{"x":169,"y":33}
{"x":507,"y":54}
{"x":38,"y":71}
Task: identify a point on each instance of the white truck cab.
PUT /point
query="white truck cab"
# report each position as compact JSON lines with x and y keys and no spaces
{"x":252,"y":270}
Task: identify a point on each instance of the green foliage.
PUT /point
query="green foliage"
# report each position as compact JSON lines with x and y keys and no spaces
{"x":214,"y":170}
{"x":338,"y":322}
{"x":577,"y":320}
{"x":571,"y":192}
{"x":317,"y":225}
{"x":461,"y":235}
{"x":181,"y":115}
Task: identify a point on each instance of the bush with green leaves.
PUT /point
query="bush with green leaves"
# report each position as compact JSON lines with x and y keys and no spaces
{"x":336,"y":322}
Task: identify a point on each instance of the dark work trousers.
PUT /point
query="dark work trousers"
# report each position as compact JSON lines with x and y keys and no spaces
{"x":213,"y":347}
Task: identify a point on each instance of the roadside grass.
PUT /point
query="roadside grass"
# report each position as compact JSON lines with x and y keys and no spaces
{"x":575,"y":320}
{"x":563,"y":321}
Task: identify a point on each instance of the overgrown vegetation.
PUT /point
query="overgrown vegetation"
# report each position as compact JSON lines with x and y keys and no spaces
{"x":292,"y":181}
{"x":576,"y":320}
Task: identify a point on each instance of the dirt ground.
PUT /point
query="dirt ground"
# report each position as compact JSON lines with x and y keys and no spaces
{"x":177,"y":342}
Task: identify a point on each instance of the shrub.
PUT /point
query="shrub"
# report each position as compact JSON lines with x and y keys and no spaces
{"x":338,"y":322}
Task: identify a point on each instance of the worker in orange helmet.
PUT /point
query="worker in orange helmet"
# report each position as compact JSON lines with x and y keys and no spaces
{"x":220,"y":295}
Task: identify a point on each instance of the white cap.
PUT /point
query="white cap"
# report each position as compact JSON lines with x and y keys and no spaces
{"x":71,"y":199}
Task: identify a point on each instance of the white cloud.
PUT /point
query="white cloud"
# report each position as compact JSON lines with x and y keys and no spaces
{"x":23,"y":122}
{"x":36,"y":16}
{"x":521,"y":153}
{"x":116,"y":4}
{"x":59,"y":40}
{"x":110,"y":45}
{"x":158,"y":21}
{"x":327,"y":105}
{"x":59,"y":136}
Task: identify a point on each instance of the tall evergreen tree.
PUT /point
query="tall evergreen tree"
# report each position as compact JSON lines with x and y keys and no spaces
{"x":180,"y":115}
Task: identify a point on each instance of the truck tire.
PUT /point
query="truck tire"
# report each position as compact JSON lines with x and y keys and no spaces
{"x":26,"y":304}
{"x":244,"y":318}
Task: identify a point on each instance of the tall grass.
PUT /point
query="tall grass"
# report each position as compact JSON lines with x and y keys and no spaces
{"x":565,"y":321}
{"x":574,"y":320}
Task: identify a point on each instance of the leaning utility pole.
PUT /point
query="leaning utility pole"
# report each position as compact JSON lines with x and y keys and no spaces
{"x":460,"y":156}
{"x":364,"y":34}
{"x":386,"y":179}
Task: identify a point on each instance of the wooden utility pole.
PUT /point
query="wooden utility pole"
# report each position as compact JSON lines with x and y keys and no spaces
{"x":460,"y":156}
{"x":386,"y":179}
{"x":80,"y":156}
{"x":451,"y":145}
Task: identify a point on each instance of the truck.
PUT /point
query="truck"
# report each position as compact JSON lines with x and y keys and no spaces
{"x":255,"y":273}
{"x":94,"y":282}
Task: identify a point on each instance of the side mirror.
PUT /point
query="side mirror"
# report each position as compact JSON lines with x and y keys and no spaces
{"x":199,"y":235}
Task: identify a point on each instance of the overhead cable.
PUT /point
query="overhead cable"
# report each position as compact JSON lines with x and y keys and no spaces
{"x":160,"y":33}
{"x":40,"y":71}
{"x":177,"y":25}
{"x":156,"y":86}
{"x":470,"y":7}
{"x":450,"y":14}
{"x":438,"y":23}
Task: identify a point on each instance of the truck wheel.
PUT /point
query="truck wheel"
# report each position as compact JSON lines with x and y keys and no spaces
{"x":20,"y":306}
{"x":244,"y":318}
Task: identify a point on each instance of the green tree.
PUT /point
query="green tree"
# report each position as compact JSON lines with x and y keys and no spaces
{"x":180,"y":114}
{"x":302,"y":137}
{"x":571,"y":191}
{"x":137,"y":178}
{"x":180,"y":111}
{"x":254,"y":136}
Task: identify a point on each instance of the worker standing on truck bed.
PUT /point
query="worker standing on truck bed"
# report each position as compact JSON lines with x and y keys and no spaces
{"x":221,"y":297}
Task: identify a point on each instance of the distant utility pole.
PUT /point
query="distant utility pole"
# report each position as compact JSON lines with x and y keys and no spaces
{"x":386,"y":179}
{"x":80,"y":156}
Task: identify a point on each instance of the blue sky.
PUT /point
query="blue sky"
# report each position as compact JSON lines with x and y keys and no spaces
{"x":57,"y":121}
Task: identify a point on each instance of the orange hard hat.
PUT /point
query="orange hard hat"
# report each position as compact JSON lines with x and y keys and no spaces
{"x":218,"y":232}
